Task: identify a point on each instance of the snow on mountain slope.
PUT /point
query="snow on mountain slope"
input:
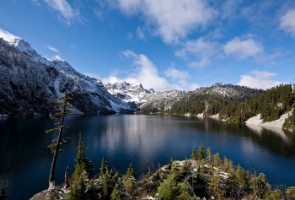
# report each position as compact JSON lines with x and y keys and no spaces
{"x":30,"y":82}
{"x":143,"y":97}
{"x":227,"y":91}
{"x":150,"y":101}
{"x":128,"y":92}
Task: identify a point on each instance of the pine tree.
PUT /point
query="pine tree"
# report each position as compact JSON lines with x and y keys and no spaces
{"x":290,"y":192}
{"x":194,"y":153}
{"x":149,"y":173}
{"x":214,"y":186}
{"x":209,"y":153}
{"x":62,"y":109}
{"x":167,"y":190}
{"x":83,"y":164}
{"x":201,"y":152}
{"x":103,"y":167}
{"x":185,"y":191}
{"x":129,"y":180}
{"x":262,"y":185}
{"x":115,"y":193}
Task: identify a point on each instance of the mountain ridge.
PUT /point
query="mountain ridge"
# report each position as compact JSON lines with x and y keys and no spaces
{"x":31,"y":82}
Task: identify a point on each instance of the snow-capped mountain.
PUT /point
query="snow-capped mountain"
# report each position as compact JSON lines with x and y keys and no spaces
{"x":150,"y":101}
{"x":129,"y":92}
{"x":226,"y":91}
{"x":143,"y":97}
{"x":30,"y":82}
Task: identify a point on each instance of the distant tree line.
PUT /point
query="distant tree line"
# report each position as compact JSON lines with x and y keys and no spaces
{"x":271,"y":104}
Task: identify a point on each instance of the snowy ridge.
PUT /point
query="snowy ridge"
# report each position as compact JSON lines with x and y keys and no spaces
{"x":228,"y":91}
{"x":149,"y":100}
{"x":30,"y":82}
{"x":141,"y":97}
{"x":129,"y":92}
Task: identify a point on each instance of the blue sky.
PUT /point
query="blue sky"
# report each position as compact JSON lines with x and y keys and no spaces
{"x":167,"y":44}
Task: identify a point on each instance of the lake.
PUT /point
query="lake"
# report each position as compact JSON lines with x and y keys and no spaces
{"x":143,"y":140}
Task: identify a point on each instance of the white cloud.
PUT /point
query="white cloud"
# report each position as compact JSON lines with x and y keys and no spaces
{"x":259,"y":79}
{"x":67,"y":13}
{"x":201,"y":50}
{"x":140,"y":33}
{"x":176,"y":74}
{"x":188,"y":86}
{"x":5,"y":35}
{"x":147,"y":74}
{"x":243,"y":48}
{"x":171,"y":20}
{"x":57,"y":57}
{"x":112,"y":79}
{"x":287,"y":22}
{"x":180,"y":77}
{"x":53,"y":49}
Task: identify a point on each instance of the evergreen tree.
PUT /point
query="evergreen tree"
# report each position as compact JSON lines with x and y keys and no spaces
{"x":262,"y":185}
{"x":115,"y":193}
{"x":214,"y":188}
{"x":105,"y":184}
{"x":62,"y":109}
{"x":83,"y":164}
{"x":77,"y":189}
{"x":274,"y":195}
{"x":167,"y":189}
{"x":194,"y":153}
{"x":290,"y":192}
{"x":209,"y":153}
{"x":103,"y":167}
{"x":216,"y":159}
{"x":239,"y":176}
{"x":201,"y":152}
{"x":129,"y":180}
{"x":185,"y":191}
{"x":149,"y":173}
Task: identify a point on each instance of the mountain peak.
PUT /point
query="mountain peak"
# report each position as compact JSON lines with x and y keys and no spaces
{"x":16,"y":41}
{"x":8,"y":37}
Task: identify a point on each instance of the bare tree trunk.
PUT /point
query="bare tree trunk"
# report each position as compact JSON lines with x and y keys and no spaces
{"x":52,"y":169}
{"x":66,"y":178}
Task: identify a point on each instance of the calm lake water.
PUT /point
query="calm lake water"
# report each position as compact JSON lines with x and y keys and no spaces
{"x":138,"y":139}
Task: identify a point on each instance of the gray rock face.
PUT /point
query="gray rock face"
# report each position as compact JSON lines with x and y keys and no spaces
{"x":29,"y":83}
{"x":141,"y":97}
{"x":150,"y":101}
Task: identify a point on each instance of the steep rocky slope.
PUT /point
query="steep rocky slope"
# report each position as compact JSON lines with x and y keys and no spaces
{"x":30,"y":82}
{"x":149,"y":101}
{"x":143,"y":98}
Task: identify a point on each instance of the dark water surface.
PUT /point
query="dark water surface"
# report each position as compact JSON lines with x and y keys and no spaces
{"x":138,"y":139}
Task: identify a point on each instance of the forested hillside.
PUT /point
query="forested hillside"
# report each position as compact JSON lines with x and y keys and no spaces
{"x":236,"y":104}
{"x":271,"y":105}
{"x":207,"y":100}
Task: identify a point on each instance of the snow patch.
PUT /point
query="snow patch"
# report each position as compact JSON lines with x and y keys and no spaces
{"x":200,"y":115}
{"x":215,"y":116}
{"x":256,"y":120}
